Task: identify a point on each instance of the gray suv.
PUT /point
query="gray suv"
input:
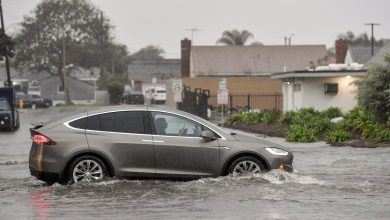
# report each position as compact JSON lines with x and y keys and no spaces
{"x":145,"y":142}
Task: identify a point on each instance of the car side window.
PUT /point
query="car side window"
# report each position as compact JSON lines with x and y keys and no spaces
{"x":123,"y":122}
{"x":173,"y":125}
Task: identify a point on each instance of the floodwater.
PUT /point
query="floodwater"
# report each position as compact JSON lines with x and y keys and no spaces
{"x":329,"y":183}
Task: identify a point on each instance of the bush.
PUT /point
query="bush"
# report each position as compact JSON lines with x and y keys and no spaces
{"x":375,"y":132}
{"x":373,"y":93}
{"x":338,"y":136}
{"x":300,"y":133}
{"x":288,"y":118}
{"x":309,"y":118}
{"x":357,"y":119}
{"x":235,"y":118}
{"x":252,"y":117}
{"x":271,"y":116}
{"x":115,"y":89}
{"x":332,"y":112}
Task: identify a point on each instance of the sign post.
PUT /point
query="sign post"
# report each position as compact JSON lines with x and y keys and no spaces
{"x":222,"y":97}
{"x":177,"y":88}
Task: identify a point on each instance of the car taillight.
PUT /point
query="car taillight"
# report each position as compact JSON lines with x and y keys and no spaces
{"x":40,"y":139}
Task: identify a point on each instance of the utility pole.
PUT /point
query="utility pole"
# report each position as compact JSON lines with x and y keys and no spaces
{"x":7,"y":63}
{"x":372,"y":37}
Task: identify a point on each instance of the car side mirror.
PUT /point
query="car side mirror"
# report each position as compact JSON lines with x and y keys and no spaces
{"x":208,"y":135}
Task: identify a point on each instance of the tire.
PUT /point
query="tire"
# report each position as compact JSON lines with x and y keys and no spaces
{"x":33,"y":105}
{"x":96,"y":171}
{"x":245,"y":165}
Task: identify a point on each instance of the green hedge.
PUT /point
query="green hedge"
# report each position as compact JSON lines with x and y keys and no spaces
{"x":308,"y":125}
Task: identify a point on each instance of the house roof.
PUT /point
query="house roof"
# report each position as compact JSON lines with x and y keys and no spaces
{"x":314,"y":74}
{"x":360,"y":53}
{"x":378,"y":58}
{"x":144,"y":70}
{"x":79,"y":73}
{"x":253,"y":60}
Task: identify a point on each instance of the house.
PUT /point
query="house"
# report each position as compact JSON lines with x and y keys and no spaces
{"x":332,"y":85}
{"x":350,"y":53}
{"x":379,"y":57}
{"x":143,"y":71}
{"x":82,"y":85}
{"x":246,"y":68}
{"x":320,"y":89}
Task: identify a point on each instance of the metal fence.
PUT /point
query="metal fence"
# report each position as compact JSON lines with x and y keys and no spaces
{"x":244,"y":102}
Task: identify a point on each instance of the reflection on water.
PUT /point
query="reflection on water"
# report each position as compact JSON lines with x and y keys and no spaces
{"x":39,"y":202}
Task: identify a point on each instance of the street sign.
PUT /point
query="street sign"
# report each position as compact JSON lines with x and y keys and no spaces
{"x":223,"y":97}
{"x":222,"y":84}
{"x":177,"y":88}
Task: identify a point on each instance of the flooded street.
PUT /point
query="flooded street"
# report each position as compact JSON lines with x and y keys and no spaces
{"x":329,"y":182}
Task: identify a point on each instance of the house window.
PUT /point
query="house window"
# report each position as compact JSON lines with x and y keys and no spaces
{"x":331,"y":88}
{"x":60,"y":88}
{"x":297,"y":87}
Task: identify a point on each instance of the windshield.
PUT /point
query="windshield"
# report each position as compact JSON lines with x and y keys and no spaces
{"x":160,"y":91}
{"x":4,"y":105}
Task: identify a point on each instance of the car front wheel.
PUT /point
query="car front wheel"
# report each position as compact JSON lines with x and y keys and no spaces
{"x":246,"y":165}
{"x":88,"y":169}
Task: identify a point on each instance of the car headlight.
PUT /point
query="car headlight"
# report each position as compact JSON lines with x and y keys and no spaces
{"x":276,"y":151}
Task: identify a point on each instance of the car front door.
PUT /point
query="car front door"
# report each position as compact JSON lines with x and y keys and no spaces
{"x":179,"y":149}
{"x":125,"y":137}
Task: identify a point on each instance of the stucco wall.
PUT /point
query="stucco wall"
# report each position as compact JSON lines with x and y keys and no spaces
{"x":313,"y":94}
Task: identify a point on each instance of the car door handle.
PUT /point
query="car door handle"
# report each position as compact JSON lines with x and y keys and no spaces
{"x":147,"y":140}
{"x":153,"y":141}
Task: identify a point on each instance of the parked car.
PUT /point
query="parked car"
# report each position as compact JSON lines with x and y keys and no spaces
{"x":32,"y":101}
{"x":147,"y":142}
{"x":157,"y":95}
{"x":6,"y":98}
{"x":6,"y":116}
{"x":134,"y":98}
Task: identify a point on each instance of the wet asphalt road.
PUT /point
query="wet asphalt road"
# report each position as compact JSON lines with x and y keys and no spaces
{"x":329,"y":183}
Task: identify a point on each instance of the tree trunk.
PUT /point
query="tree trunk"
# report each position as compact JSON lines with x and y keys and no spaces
{"x":64,"y":76}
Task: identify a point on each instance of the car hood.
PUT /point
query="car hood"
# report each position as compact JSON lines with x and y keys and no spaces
{"x":258,"y":141}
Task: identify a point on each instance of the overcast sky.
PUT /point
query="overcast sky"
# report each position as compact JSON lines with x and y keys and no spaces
{"x":139,"y":23}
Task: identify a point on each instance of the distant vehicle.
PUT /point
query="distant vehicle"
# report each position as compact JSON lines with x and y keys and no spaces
{"x":6,"y":98}
{"x":146,"y":142}
{"x":32,"y":101}
{"x":157,"y":95}
{"x":134,"y":98}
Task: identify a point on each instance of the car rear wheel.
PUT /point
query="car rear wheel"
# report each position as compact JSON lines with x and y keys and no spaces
{"x":88,"y":169}
{"x":246,"y":165}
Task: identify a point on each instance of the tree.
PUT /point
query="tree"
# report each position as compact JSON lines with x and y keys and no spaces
{"x":61,"y":33}
{"x":7,"y":45}
{"x":374,"y":92}
{"x":361,"y":39}
{"x":148,"y":53}
{"x":235,"y":37}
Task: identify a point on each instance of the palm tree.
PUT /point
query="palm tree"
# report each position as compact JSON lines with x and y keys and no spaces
{"x":235,"y":37}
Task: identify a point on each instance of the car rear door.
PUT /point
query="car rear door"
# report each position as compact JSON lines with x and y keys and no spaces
{"x":125,"y":137}
{"x":179,"y":149}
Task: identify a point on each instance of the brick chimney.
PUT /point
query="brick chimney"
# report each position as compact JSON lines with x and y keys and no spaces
{"x":185,"y":57}
{"x":341,"y":50}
